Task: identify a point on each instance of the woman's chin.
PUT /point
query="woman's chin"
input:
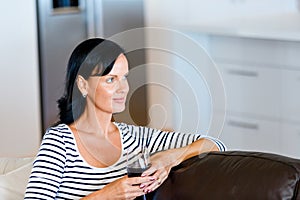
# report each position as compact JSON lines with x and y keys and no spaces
{"x":118,"y":110}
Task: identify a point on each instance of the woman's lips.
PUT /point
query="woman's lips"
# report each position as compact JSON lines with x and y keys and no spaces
{"x":119,"y":100}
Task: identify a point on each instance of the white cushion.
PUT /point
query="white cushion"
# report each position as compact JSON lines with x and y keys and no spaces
{"x":14,"y":177}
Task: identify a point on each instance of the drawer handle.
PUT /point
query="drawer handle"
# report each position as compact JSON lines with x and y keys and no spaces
{"x":243,"y":73}
{"x":246,"y":125}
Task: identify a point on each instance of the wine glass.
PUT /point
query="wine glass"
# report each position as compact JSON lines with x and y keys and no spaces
{"x":137,"y":162}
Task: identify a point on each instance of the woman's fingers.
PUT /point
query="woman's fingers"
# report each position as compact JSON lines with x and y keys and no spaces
{"x":160,"y":177}
{"x":153,"y":186}
{"x":132,"y":187}
{"x":159,"y":170}
{"x":149,"y":171}
{"x":140,"y":180}
{"x":134,"y":194}
{"x":125,"y":188}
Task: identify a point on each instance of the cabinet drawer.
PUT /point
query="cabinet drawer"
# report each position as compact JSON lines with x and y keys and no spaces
{"x":290,"y":139}
{"x":272,"y":53}
{"x":241,"y":133}
{"x":252,"y":90}
{"x":291,"y":96}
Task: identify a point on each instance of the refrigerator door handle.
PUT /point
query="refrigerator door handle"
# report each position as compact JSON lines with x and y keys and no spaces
{"x":98,"y":18}
{"x":90,"y":18}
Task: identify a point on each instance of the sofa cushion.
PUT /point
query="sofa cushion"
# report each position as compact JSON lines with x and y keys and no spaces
{"x":14,"y":177}
{"x":233,"y":175}
{"x":10,"y":164}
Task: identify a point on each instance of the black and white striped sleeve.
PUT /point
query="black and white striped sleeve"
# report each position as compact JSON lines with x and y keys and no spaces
{"x":48,"y":167}
{"x":158,"y":140}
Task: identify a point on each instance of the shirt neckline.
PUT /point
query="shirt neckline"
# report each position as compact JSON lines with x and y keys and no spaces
{"x":91,"y":166}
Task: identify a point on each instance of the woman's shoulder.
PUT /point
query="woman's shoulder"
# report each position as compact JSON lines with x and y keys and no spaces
{"x":132,"y":128}
{"x":125,"y":125}
{"x":60,"y":130}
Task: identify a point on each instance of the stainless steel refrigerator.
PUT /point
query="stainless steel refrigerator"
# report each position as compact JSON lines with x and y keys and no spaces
{"x":62,"y":24}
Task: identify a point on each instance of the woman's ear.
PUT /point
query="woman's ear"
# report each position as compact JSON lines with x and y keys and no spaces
{"x":82,"y":85}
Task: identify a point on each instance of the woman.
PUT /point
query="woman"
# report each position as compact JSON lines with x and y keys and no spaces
{"x":84,"y":154}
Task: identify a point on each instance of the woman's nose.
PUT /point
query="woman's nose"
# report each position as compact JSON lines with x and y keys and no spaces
{"x":123,"y":86}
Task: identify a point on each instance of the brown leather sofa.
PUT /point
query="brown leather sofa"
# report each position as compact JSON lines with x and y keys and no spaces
{"x":232,"y":175}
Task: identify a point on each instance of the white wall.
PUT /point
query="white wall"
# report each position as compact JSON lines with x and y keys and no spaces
{"x":192,"y":12}
{"x":19,"y":84}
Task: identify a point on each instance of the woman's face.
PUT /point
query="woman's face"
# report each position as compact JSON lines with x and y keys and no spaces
{"x":108,"y":93}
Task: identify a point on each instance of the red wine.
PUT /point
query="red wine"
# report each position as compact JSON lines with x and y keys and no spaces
{"x":135,"y":172}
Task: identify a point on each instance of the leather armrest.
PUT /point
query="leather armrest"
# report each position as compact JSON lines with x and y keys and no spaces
{"x":232,"y":175}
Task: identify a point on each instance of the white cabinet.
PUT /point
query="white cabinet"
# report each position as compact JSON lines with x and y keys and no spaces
{"x":271,"y":53}
{"x":290,"y":139}
{"x":291,"y":95}
{"x":251,"y":134}
{"x":262,"y":81}
{"x":251,"y":89}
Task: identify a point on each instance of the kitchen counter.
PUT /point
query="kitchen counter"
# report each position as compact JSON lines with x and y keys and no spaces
{"x":284,"y":26}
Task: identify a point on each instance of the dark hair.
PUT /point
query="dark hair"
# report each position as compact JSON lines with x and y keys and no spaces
{"x":91,"y":54}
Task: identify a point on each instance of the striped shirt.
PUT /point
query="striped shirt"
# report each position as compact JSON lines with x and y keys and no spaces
{"x":60,"y":172}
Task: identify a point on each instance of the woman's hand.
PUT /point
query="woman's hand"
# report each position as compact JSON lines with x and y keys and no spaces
{"x":123,"y":188}
{"x":161,"y":164}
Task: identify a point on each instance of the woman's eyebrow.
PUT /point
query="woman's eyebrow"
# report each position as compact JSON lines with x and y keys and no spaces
{"x":126,"y":74}
{"x":112,"y":75}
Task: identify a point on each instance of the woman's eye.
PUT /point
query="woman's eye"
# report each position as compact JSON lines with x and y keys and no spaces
{"x":110,"y":80}
{"x":125,"y":77}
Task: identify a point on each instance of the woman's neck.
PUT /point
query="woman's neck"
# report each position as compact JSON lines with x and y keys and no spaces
{"x":95,"y":122}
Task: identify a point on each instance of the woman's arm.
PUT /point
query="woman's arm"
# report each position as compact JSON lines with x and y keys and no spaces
{"x":200,"y":146}
{"x":163,"y":161}
{"x":123,"y":188}
{"x":173,"y":157}
{"x":47,"y":168}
